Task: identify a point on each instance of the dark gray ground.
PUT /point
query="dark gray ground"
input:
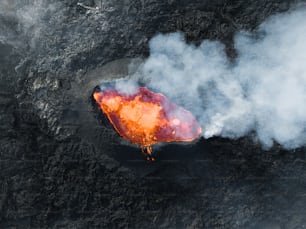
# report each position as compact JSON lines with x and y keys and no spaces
{"x":61,"y":168}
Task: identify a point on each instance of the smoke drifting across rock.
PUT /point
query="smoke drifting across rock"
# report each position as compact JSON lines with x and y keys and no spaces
{"x":262,"y":90}
{"x":22,"y":21}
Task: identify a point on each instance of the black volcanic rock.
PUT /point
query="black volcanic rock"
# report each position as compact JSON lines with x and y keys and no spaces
{"x":59,"y":167}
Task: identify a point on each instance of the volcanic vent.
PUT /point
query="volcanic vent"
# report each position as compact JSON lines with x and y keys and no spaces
{"x":61,"y":169}
{"x":143,"y":117}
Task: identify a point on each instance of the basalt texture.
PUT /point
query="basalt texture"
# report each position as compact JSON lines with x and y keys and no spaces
{"x":60,"y":167}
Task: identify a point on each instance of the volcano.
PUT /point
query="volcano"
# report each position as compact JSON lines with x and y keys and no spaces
{"x":60,"y":168}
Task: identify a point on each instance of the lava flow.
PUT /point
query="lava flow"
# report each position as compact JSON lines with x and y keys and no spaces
{"x":146,"y":118}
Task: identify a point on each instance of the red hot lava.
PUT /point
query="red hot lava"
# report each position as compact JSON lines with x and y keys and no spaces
{"x":146,"y":118}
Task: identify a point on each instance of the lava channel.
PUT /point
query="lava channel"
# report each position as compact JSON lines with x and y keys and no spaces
{"x":146,"y":118}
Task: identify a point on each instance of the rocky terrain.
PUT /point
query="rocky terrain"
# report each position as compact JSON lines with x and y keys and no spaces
{"x":61,"y":168}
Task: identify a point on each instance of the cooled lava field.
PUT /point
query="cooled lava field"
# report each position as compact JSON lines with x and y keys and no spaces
{"x":62,"y":165}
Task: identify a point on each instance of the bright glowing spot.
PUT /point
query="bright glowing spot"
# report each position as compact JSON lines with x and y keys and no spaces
{"x":146,"y":118}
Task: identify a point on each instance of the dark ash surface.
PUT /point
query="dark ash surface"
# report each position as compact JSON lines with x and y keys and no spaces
{"x":60,"y":168}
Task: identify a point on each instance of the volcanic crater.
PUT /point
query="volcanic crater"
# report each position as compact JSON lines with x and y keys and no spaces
{"x":61,"y":167}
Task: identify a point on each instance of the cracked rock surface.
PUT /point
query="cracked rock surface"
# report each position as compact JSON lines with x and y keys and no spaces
{"x":61,"y":168}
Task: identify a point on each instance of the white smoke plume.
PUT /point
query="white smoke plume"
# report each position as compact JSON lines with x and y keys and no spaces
{"x":262,"y":91}
{"x":30,"y":16}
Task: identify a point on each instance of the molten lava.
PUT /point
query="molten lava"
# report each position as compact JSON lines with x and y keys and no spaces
{"x":146,"y":118}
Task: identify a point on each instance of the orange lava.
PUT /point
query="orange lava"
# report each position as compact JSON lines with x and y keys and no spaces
{"x":146,"y":118}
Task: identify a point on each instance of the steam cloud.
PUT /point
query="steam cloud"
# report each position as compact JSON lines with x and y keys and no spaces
{"x":30,"y":16}
{"x":263,"y":90}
